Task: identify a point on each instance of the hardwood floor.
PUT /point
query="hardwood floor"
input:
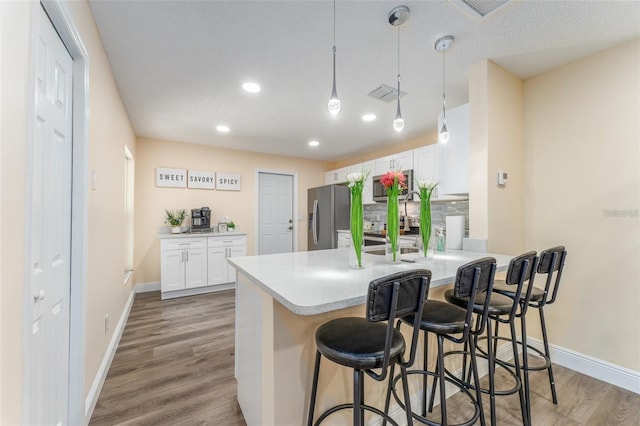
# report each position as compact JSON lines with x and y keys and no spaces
{"x":174,"y":366}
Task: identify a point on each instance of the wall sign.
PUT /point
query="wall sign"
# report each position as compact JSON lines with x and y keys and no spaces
{"x":173,"y":178}
{"x":228,"y":181}
{"x":202,"y":180}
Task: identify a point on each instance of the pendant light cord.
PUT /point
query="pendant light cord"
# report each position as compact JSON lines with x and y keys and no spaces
{"x":334,"y":25}
{"x":398,"y":55}
{"x":398,"y":64}
{"x":443,"y":74}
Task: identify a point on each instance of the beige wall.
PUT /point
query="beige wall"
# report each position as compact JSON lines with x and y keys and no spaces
{"x":496,"y":143}
{"x":582,"y":145}
{"x":151,"y":201}
{"x":15,"y":36}
{"x":109,"y":131}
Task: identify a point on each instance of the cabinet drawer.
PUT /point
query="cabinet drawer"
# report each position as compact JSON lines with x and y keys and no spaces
{"x":228,"y":241}
{"x":183,"y":243}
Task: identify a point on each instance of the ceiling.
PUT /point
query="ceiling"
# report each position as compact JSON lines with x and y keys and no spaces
{"x":179,"y":65}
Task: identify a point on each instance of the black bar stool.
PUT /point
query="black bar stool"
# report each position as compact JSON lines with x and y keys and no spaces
{"x":453,"y":323}
{"x":551,"y":264}
{"x":367,"y":344}
{"x":503,"y":309}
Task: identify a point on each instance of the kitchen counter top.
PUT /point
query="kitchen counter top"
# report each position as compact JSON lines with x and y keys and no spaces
{"x":199,"y":234}
{"x":281,"y":300}
{"x":314,"y":282}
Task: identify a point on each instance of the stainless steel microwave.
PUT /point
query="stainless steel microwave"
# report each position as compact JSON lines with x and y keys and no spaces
{"x":380,"y":193}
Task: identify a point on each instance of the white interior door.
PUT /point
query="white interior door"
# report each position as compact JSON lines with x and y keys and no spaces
{"x":51,"y":230}
{"x":275,"y":225}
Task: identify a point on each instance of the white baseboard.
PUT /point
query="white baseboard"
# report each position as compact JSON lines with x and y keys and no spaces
{"x":101,"y":375}
{"x":592,"y":367}
{"x":146,"y":287}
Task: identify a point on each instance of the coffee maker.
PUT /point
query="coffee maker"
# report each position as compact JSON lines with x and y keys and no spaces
{"x":201,"y":219}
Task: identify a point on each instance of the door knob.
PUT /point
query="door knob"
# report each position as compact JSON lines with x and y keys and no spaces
{"x":290,"y":228}
{"x":38,"y":296}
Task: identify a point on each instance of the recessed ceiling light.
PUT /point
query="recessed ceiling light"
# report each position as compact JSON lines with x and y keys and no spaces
{"x":314,"y":143}
{"x":222,"y":128}
{"x":251,"y":87}
{"x":368,"y":117}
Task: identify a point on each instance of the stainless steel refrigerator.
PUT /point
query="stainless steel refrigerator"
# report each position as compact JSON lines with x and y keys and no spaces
{"x":328,"y":208}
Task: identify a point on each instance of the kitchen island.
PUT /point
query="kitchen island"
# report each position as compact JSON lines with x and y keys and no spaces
{"x":281,"y":299}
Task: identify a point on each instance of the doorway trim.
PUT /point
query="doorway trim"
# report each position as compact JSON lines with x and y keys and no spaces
{"x":256,"y":202}
{"x":63,"y":24}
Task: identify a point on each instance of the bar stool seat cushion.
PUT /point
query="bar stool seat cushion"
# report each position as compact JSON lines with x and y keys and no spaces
{"x":498,"y":304}
{"x":440,"y":318}
{"x":357,"y":343}
{"x":537,"y":294}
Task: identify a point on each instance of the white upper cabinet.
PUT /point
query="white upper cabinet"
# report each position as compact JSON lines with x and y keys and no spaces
{"x":336,"y":176}
{"x":454,"y":158}
{"x":368,"y":168}
{"x":426,"y":165}
{"x":400,"y":161}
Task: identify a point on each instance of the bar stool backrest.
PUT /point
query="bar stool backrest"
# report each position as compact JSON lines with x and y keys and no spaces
{"x":394,"y":296}
{"x":472,"y":279}
{"x":551,"y":263}
{"x":522,"y":269}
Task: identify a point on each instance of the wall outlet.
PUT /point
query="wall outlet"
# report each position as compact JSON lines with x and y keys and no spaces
{"x":106,"y":324}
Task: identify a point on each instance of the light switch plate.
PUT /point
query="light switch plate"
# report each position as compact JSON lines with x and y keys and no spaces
{"x":502,"y":178}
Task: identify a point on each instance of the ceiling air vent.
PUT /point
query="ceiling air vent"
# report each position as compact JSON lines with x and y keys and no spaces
{"x":386,"y":93}
{"x":481,"y":8}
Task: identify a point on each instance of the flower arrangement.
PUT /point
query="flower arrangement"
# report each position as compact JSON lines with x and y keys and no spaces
{"x":356,"y":184}
{"x":425,"y":189}
{"x":393,"y":181}
{"x":175,"y":219}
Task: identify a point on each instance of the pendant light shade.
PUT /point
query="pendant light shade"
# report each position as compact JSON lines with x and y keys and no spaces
{"x":398,"y":16}
{"x":398,"y":123}
{"x":334,"y":102}
{"x":441,"y":45}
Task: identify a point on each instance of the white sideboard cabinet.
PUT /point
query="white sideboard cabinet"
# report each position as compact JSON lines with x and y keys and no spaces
{"x":218,"y":251}
{"x":183,"y":264}
{"x":194,"y":264}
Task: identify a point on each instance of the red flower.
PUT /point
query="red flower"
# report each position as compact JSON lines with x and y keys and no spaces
{"x":389,"y":178}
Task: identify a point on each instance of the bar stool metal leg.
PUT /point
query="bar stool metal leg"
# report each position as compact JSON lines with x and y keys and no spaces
{"x":314,"y":390}
{"x":552,"y":383}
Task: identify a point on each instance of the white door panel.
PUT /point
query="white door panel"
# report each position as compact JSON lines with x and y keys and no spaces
{"x":51,"y":230}
{"x":275,"y":213}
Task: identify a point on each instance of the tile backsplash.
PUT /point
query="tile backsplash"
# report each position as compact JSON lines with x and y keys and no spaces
{"x":377,"y":213}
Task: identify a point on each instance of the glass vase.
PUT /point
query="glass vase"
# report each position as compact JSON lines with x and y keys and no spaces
{"x":425,"y":221}
{"x":357,"y":227}
{"x":392,"y":248}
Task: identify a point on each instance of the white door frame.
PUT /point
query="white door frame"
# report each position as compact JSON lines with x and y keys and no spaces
{"x":70,"y":36}
{"x":294,"y":207}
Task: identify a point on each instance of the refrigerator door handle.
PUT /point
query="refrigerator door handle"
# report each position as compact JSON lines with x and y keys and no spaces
{"x":314,"y":222}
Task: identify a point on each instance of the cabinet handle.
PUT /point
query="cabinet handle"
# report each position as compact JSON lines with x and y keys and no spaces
{"x":187,"y":256}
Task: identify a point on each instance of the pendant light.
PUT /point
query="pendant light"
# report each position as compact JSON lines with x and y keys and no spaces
{"x":442,"y":44}
{"x":398,"y":16}
{"x":334,"y":102}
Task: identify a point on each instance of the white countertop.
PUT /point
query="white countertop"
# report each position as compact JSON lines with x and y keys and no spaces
{"x":199,"y":234}
{"x":314,"y":282}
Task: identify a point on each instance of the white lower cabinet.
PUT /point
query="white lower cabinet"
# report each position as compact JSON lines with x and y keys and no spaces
{"x":219,"y":249}
{"x":193,"y":265}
